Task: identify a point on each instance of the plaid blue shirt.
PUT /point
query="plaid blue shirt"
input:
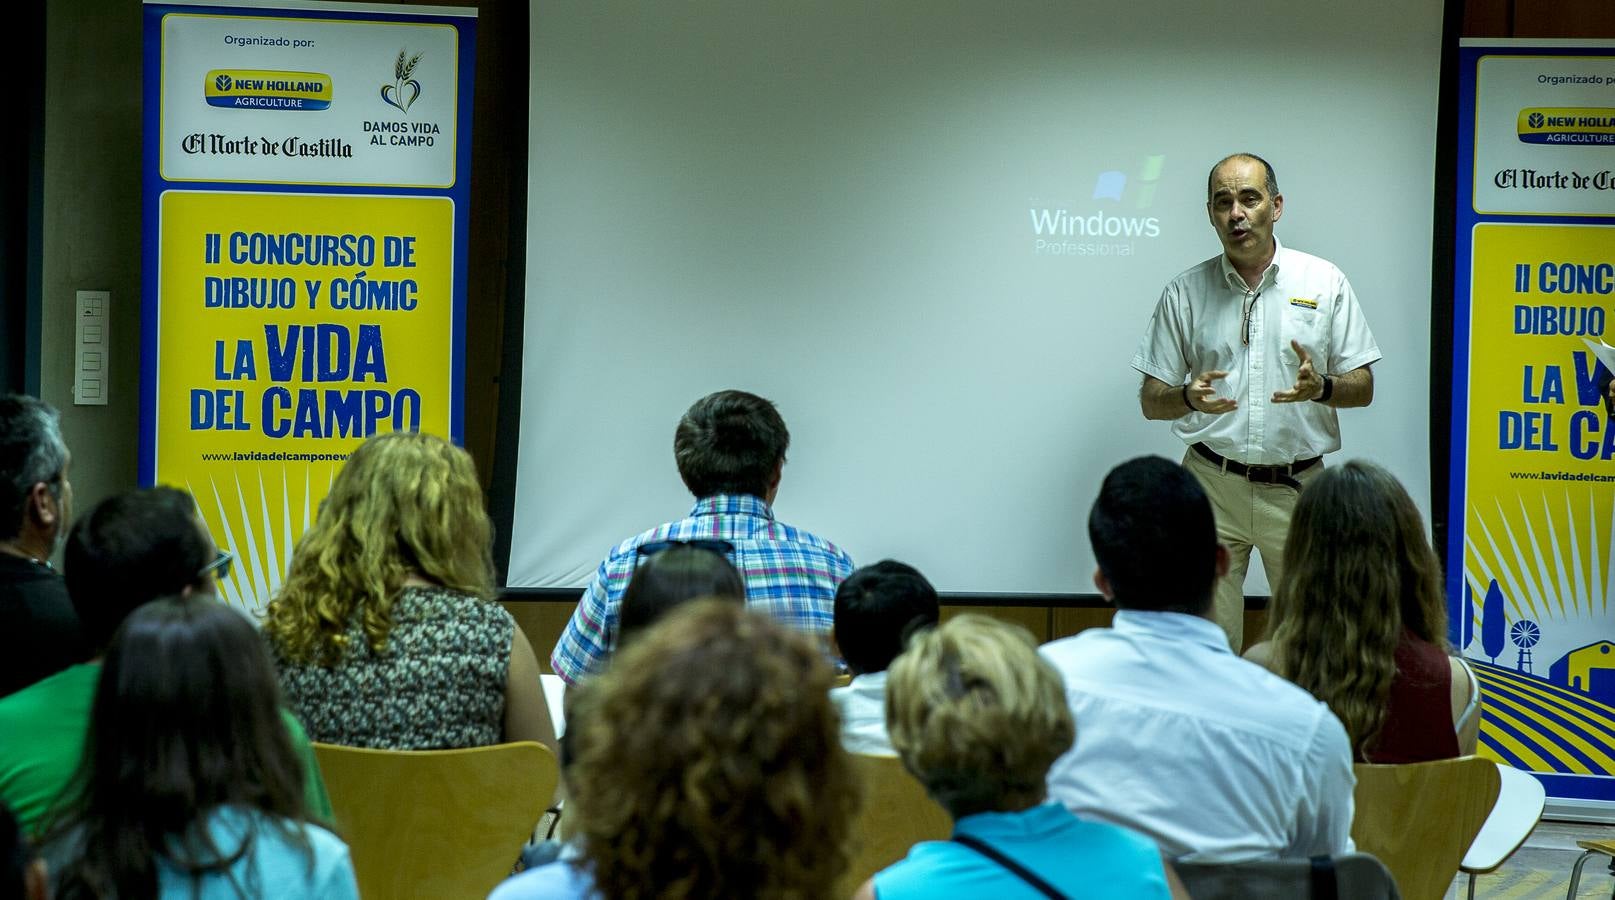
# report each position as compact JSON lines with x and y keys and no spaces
{"x":789,"y":573}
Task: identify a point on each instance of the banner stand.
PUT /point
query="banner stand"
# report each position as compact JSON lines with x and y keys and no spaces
{"x":306,"y":186}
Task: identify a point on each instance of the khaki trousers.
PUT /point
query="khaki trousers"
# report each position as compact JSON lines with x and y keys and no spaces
{"x":1248,"y":515}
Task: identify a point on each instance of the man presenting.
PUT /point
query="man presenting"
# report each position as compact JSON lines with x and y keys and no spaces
{"x":1249,"y":354}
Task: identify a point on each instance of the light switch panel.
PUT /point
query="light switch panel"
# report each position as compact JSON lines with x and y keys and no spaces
{"x":92,"y":334}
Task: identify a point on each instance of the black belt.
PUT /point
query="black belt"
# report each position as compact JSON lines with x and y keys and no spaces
{"x":1284,"y":475}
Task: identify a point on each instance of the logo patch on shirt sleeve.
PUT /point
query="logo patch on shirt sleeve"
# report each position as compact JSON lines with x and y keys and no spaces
{"x":1307,"y":302}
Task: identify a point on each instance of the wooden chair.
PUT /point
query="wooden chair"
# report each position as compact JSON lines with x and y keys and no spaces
{"x":896,"y":814}
{"x":436,"y":823}
{"x":1592,"y":848}
{"x":1420,"y":819}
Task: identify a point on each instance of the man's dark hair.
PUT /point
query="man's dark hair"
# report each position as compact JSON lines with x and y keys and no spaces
{"x":131,"y":549}
{"x":877,"y":608}
{"x":1155,"y":538}
{"x":1267,"y":170}
{"x":730,"y":442}
{"x":671,"y":579}
{"x":31,"y":451}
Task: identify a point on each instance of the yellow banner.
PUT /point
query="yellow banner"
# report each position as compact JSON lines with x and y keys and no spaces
{"x":308,"y":322}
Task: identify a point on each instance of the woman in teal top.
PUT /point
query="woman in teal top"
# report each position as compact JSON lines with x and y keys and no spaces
{"x":189,"y":785}
{"x":979,"y":717}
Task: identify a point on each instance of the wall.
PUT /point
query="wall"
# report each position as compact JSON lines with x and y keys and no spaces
{"x":92,"y":227}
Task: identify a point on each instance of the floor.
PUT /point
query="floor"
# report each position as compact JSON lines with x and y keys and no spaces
{"x":1541,"y":868}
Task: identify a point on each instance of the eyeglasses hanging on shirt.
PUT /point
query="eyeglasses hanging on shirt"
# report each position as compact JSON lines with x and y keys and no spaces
{"x":1250,"y":309}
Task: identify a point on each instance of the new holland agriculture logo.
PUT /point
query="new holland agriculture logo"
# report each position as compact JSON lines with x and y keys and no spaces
{"x":1565,"y":125}
{"x":254,"y":89}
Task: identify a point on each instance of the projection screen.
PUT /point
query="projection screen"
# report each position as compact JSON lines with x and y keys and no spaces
{"x":933,"y":234}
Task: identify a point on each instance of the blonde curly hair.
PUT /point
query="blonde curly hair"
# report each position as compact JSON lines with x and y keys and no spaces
{"x":977,"y":715}
{"x":403,"y":503}
{"x":1358,"y":571}
{"x":707,"y":762}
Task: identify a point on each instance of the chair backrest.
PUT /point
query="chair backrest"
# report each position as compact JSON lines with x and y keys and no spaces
{"x":1420,"y":818}
{"x":436,"y":823}
{"x":1354,"y":876}
{"x":896,"y":814}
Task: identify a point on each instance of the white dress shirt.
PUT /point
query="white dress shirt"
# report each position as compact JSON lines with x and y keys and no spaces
{"x":1200,"y":325}
{"x":1214,"y":757}
{"x":862,"y":705}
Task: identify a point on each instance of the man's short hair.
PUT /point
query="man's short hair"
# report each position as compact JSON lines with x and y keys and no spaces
{"x":131,"y":549}
{"x":730,"y":442}
{"x":1267,"y":169}
{"x":1155,"y":537}
{"x":877,"y":608}
{"x":31,"y":451}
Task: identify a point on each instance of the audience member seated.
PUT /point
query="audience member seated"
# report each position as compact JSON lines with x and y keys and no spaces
{"x":730,"y":449}
{"x":1360,"y":620}
{"x":671,"y":574}
{"x":385,"y":632}
{"x":38,"y":628}
{"x":22,"y":873}
{"x":1214,"y":757}
{"x":128,"y":550}
{"x":876,"y":609}
{"x":190,"y":786}
{"x":704,"y":763}
{"x":978,"y":718}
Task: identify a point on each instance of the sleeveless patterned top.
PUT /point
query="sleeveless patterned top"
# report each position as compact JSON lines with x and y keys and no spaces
{"x":439,"y":684}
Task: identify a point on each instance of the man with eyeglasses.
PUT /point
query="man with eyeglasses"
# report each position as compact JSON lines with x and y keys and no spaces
{"x":39,"y":632}
{"x":1249,"y":354}
{"x":730,"y":449}
{"x":125,"y":552}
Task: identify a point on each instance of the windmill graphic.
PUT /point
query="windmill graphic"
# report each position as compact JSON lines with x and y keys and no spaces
{"x":1524,"y":634}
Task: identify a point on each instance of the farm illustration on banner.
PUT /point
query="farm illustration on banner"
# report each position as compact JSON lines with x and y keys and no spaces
{"x":1532,"y":611}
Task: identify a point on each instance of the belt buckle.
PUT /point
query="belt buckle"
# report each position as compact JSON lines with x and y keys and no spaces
{"x":1265,"y":474}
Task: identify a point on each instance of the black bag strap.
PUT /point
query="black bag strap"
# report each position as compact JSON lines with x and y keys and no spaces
{"x":1025,"y":874}
{"x":1324,"y":885}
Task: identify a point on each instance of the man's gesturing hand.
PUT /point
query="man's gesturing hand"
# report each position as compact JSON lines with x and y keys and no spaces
{"x":1308,"y":383}
{"x":1203,"y":397}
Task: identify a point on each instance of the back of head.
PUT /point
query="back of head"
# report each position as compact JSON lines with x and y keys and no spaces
{"x":131,"y":549}
{"x":1358,"y":570}
{"x":31,"y":452}
{"x":1155,"y":537}
{"x":186,"y":720}
{"x":671,"y":578}
{"x":876,"y":608}
{"x":977,"y":715}
{"x":730,"y":442}
{"x":706,"y":762}
{"x":403,"y":503}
